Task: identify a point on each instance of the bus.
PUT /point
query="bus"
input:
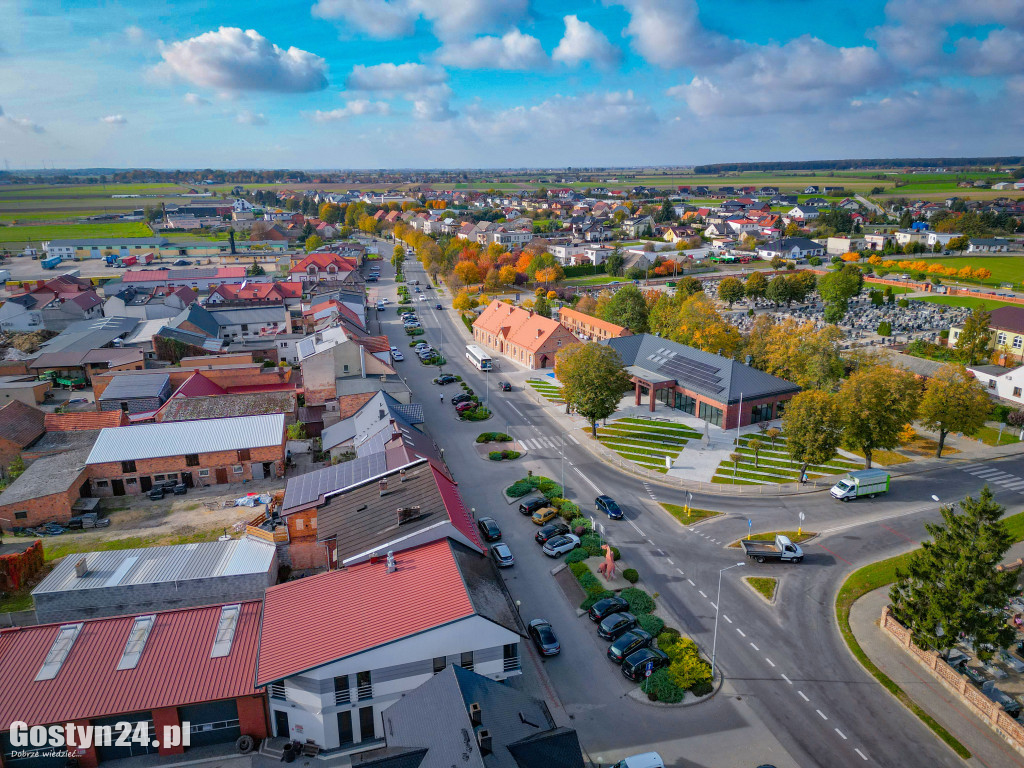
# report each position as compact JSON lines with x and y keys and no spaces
{"x":478,"y":357}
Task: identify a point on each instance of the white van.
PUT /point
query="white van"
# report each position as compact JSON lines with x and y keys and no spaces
{"x":644,"y":760}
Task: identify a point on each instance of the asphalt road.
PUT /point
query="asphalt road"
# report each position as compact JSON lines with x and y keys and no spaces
{"x":793,"y":693}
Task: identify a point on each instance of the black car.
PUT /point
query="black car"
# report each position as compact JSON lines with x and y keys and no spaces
{"x":531,"y":506}
{"x":551,"y":530}
{"x":489,"y":528}
{"x":615,"y":625}
{"x":607,"y":505}
{"x":543,"y":637}
{"x":168,"y":485}
{"x":605,"y":608}
{"x":445,"y":379}
{"x":180,"y":489}
{"x":183,"y":263}
{"x":504,"y":386}
{"x":461,"y":398}
{"x":438,"y":306}
{"x":156,"y":493}
{"x":502,"y":555}
{"x":628,"y":644}
{"x":635,"y":665}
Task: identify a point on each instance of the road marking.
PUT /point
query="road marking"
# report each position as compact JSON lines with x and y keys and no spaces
{"x":669,"y":560}
{"x":769,"y":661}
{"x":837,"y":557}
{"x":680,"y":571}
{"x":650,"y":542}
{"x":823,"y":715}
{"x":803,"y":697}
{"x":860,"y":753}
{"x":514,"y":409}
{"x":691,"y":583}
{"x":841,"y":734}
{"x":787,"y":679}
{"x":702,"y":593}
{"x":727,"y":618}
{"x":880,"y":518}
{"x":590,"y":482}
{"x":571,"y":437}
{"x":742,"y":633}
{"x":661,"y":552}
{"x":754,"y":646}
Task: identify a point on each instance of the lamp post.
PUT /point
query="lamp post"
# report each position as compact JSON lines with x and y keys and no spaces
{"x":718,"y":605}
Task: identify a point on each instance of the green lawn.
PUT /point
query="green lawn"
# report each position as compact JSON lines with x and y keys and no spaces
{"x":966,"y":301}
{"x":763,"y":584}
{"x":645,"y":442}
{"x":547,"y":389}
{"x":796,"y":538}
{"x":990,"y":435}
{"x":694,"y":516}
{"x":1004,"y":269}
{"x":72,"y":231}
{"x":773,"y":465}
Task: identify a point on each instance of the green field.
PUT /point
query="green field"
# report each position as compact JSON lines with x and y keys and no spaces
{"x":966,"y":301}
{"x":70,"y":231}
{"x":1004,"y":269}
{"x":645,"y":441}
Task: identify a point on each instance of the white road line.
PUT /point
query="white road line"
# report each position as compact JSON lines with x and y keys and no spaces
{"x":669,"y":560}
{"x":635,"y":528}
{"x":591,"y":483}
{"x":713,"y":605}
{"x":650,"y":542}
{"x":754,"y":646}
{"x":769,"y":661}
{"x":802,"y":696}
{"x":573,"y":438}
{"x":823,"y":715}
{"x":691,"y":583}
{"x":860,"y":753}
{"x":514,"y":408}
{"x":742,"y":633}
{"x":680,"y":570}
{"x":702,"y":593}
{"x":787,"y":679}
{"x":727,"y":618}
{"x":879,"y":519}
{"x":661,"y":552}
{"x":841,"y":734}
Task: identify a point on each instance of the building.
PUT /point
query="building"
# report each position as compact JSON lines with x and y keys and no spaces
{"x":940,"y":238}
{"x":287,"y":293}
{"x":338,"y":648}
{"x":334,"y":364}
{"x":378,"y":419}
{"x":192,"y":665}
{"x":907,"y":236}
{"x":71,"y":352}
{"x":51,"y":306}
{"x":522,"y":335}
{"x":20,"y":426}
{"x":1004,"y":383}
{"x":47,"y":491}
{"x":116,"y":582}
{"x":840,"y":244}
{"x":230,"y":323}
{"x":323,"y":265}
{"x":199,"y":279}
{"x":148,"y":303}
{"x":879,"y":240}
{"x":791,"y":249}
{"x":143,"y":393}
{"x":98,"y":248}
{"x":1006,"y":324}
{"x":130,"y":460}
{"x":638,"y":226}
{"x":226,"y":405}
{"x":988,"y":245}
{"x":589,"y":328}
{"x":715,"y":389}
{"x":23,"y":388}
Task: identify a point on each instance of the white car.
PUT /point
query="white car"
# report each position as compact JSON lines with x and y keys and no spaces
{"x":423,"y":297}
{"x":559,"y":545}
{"x":396,"y":355}
{"x":384,"y":301}
{"x":393,"y":350}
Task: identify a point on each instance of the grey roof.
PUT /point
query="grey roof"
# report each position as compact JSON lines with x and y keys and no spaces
{"x":275,"y":313}
{"x":140,"y":385}
{"x":411,"y":413}
{"x":990,"y":241}
{"x":713,"y":376}
{"x":62,"y":442}
{"x":200,"y":317}
{"x":73,"y":343}
{"x":111,"y":242}
{"x":788,"y":244}
{"x":175,"y":438}
{"x":154,"y":565}
{"x":486,"y":588}
{"x":435,"y":716}
{"x":47,"y":475}
{"x":916,"y":365}
{"x":188,"y":337}
{"x":311,"y":486}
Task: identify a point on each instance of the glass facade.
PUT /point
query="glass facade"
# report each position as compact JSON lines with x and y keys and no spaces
{"x":677,"y":400}
{"x":711,"y":414}
{"x":759,"y":413}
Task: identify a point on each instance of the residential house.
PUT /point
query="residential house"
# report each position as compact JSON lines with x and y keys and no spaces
{"x":87,"y":345}
{"x":234,"y":322}
{"x":589,"y":328}
{"x":811,"y":189}
{"x":906,"y":236}
{"x":393,"y":623}
{"x":802,"y":213}
{"x":988,"y":245}
{"x":877,"y":241}
{"x":149,"y":303}
{"x":130,"y":460}
{"x":51,"y":306}
{"x":287,"y":293}
{"x":20,"y":426}
{"x":638,"y":226}
{"x":840,"y":244}
{"x":143,"y":393}
{"x":678,"y":234}
{"x":322,"y":265}
{"x":524,"y":336}
{"x":596,"y":254}
{"x":226,"y":405}
{"x":791,"y":248}
{"x":334,"y":363}
{"x":199,"y":279}
{"x":1005,"y":383}
{"x":566,"y":253}
{"x":382,"y":413}
{"x":1006,"y":325}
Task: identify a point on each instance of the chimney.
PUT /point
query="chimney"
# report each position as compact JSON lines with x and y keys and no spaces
{"x":474,"y":713}
{"x":383,"y":486}
{"x":401,"y":475}
{"x":540,"y":332}
{"x":392,"y":565}
{"x":407,"y":514}
{"x":483,"y":738}
{"x":81,"y":569}
{"x":749,"y":359}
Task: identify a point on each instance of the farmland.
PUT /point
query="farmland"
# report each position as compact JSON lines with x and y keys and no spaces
{"x":68,"y":231}
{"x":966,"y":301}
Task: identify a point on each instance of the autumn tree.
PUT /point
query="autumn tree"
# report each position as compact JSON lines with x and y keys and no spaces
{"x":586,"y":305}
{"x":756,"y":285}
{"x":778,"y":291}
{"x":730,"y":290}
{"x":755,"y":447}
{"x":813,"y":427}
{"x":542,"y":307}
{"x":695,"y":321}
{"x":507,"y":275}
{"x":467,"y":272}
{"x":313,"y":242}
{"x":792,"y":229}
{"x":953,"y":401}
{"x":974,"y":344}
{"x":463,"y":301}
{"x":688,"y":286}
{"x":550,"y":274}
{"x":959,"y":244}
{"x":628,"y":309}
{"x":593,"y":380}
{"x":876,"y":403}
{"x":837,"y":288}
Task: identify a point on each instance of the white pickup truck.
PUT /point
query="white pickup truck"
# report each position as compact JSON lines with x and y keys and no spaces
{"x":782,"y":549}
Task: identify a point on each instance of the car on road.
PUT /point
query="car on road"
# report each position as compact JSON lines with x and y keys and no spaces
{"x":628,"y":644}
{"x":617,"y":624}
{"x":418,"y":289}
{"x":502,"y":555}
{"x":602,"y":609}
{"x":412,"y":324}
{"x":182,"y":263}
{"x":549,"y":531}
{"x":446,"y":378}
{"x":559,"y":545}
{"x":530,"y":506}
{"x":543,"y":637}
{"x":489,"y":528}
{"x":607,"y":505}
{"x":648,"y":760}
{"x":460,"y":398}
{"x":504,"y":386}
{"x":397,"y":356}
{"x":635,"y":665}
{"x":385,"y":300}
{"x":543,"y":515}
{"x":438,"y":306}
{"x":422,"y":297}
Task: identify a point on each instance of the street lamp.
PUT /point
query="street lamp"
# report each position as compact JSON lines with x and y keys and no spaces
{"x":718,"y":605}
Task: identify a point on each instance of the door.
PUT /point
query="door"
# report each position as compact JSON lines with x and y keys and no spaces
{"x":147,"y":484}
{"x":345,"y":735}
{"x":281,"y":724}
{"x":214,"y":722}
{"x":186,"y":478}
{"x":132,"y":749}
{"x":222,"y":475}
{"x":117,"y":486}
{"x":257,"y":470}
{"x":366,"y":729}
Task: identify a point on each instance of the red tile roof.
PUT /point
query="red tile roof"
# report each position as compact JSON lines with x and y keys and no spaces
{"x":373,"y":343}
{"x":313,"y":621}
{"x":20,"y":423}
{"x":175,"y":667}
{"x":279,"y":387}
{"x":198,"y":385}
{"x":74,"y":422}
{"x":456,"y":508}
{"x":324,"y":259}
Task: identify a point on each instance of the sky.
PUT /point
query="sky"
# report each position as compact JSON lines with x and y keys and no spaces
{"x":331,"y":84}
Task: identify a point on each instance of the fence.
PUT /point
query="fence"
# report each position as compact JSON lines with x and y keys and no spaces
{"x":990,"y":712}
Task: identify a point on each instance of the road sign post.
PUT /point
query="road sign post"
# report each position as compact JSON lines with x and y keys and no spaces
{"x":750,"y":525}
{"x":648,"y":669}
{"x":800,"y":529}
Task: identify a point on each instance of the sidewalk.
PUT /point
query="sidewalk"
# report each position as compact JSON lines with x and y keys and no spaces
{"x":988,"y":748}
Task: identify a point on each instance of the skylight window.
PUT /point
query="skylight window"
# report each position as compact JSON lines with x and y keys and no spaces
{"x":59,"y":651}
{"x":136,"y":642}
{"x":225,"y":631}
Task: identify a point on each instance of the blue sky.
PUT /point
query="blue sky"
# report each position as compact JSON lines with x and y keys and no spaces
{"x":505,"y":83}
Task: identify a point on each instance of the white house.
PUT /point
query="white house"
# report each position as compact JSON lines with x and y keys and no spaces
{"x":988,"y":245}
{"x":840,"y":244}
{"x":1004,"y":383}
{"x":940,"y":238}
{"x":597,"y":253}
{"x":241,"y":205}
{"x":338,"y":648}
{"x":566,"y":252}
{"x":802,"y":213}
{"x":790,"y":248}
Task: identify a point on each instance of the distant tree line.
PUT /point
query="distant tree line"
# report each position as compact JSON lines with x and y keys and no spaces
{"x":842,"y":165}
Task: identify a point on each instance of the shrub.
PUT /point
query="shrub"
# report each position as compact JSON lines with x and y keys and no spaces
{"x":650,"y":623}
{"x":580,"y":522}
{"x":687,"y":668}
{"x":577,"y":556}
{"x":631,"y":575}
{"x":588,"y":581}
{"x":495,"y":456}
{"x":639,"y":601}
{"x":519,"y":488}
{"x":592,"y":543}
{"x":702,"y":688}
{"x":591,"y":599}
{"x":509,"y":455}
{"x":668,"y":635}
{"x":578,"y":568}
{"x":661,"y":687}
{"x":571,"y":509}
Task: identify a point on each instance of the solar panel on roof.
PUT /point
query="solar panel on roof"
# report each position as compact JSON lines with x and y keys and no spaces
{"x":694,"y":371}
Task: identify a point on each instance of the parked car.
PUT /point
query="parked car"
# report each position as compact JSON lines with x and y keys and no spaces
{"x":180,"y":489}
{"x":502,"y":555}
{"x":551,"y":530}
{"x":628,"y":644}
{"x":489,"y":528}
{"x":607,"y":505}
{"x":397,"y":356}
{"x":461,"y":398}
{"x":446,"y":378}
{"x":635,"y":665}
{"x":412,"y":324}
{"x":543,"y":637}
{"x":422,"y":297}
{"x":156,"y":493}
{"x":183,"y":263}
{"x":602,"y":609}
{"x":544,"y":514}
{"x":617,"y":624}
{"x":559,"y":545}
{"x":504,"y":386}
{"x":468,"y":405}
{"x":530,"y":506}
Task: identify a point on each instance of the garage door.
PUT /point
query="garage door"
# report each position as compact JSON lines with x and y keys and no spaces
{"x":215,"y":722}
{"x":116,"y":752}
{"x":29,"y":761}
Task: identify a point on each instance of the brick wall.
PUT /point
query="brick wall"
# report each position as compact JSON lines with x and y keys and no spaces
{"x":8,"y":451}
{"x":55,"y":507}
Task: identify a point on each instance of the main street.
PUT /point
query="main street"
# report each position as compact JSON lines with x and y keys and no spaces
{"x":793,"y":693}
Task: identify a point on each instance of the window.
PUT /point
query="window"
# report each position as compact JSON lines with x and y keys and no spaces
{"x":132,"y":481}
{"x":245,"y":328}
{"x":991,"y":383}
{"x":1001,"y":338}
{"x":1018,"y":342}
{"x":158,"y":478}
{"x":102,"y":483}
{"x":237,"y":469}
{"x":1016,"y":391}
{"x":124,"y":406}
{"x":128,"y":466}
{"x":298,"y":524}
{"x":243,"y":454}
{"x":191,"y":459}
{"x":439,"y":664}
{"x":759,"y":413}
{"x":364,"y":685}
{"x":466,"y":660}
{"x":20,"y":515}
{"x":510,"y":657}
{"x":341,"y":694}
{"x":204,"y":473}
{"x":710,"y":414}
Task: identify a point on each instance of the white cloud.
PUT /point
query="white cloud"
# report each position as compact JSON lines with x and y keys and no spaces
{"x":511,"y":51}
{"x":354,"y":108}
{"x":944,"y":13}
{"x":999,"y":53}
{"x":195,"y":100}
{"x":433,"y":104}
{"x":582,"y":42}
{"x":451,"y":19}
{"x":609,"y":113}
{"x":135,"y":34}
{"x":668,"y":33}
{"x":243,"y":60}
{"x":247,"y":117}
{"x":21,"y":123}
{"x":394,"y":77}
{"x":377,"y":18}
{"x":114,"y":120}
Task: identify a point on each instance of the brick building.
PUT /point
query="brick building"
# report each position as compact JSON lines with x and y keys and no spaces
{"x":130,"y":460}
{"x":589,"y":328}
{"x":20,"y":425}
{"x":522,"y":335}
{"x":46,"y":491}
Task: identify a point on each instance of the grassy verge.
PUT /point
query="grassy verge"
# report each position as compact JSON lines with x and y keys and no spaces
{"x":883,"y":458}
{"x":971,"y":302}
{"x":695,"y":515}
{"x":795,"y":537}
{"x":72,"y":231}
{"x":764,"y":585}
{"x":54,"y":548}
{"x":990,"y":436}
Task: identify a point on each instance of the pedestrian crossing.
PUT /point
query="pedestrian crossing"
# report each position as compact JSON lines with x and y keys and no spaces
{"x":994,"y":476}
{"x":554,"y":443}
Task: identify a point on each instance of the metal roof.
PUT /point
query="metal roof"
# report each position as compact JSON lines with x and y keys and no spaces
{"x":142,"y":385}
{"x":310,"y":487}
{"x":175,"y":438}
{"x":276,"y":313}
{"x":155,"y":565}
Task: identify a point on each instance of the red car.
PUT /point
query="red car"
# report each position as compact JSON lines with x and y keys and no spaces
{"x":465,"y":406}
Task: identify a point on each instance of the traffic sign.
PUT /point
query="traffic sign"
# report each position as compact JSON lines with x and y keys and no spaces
{"x":648,"y":668}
